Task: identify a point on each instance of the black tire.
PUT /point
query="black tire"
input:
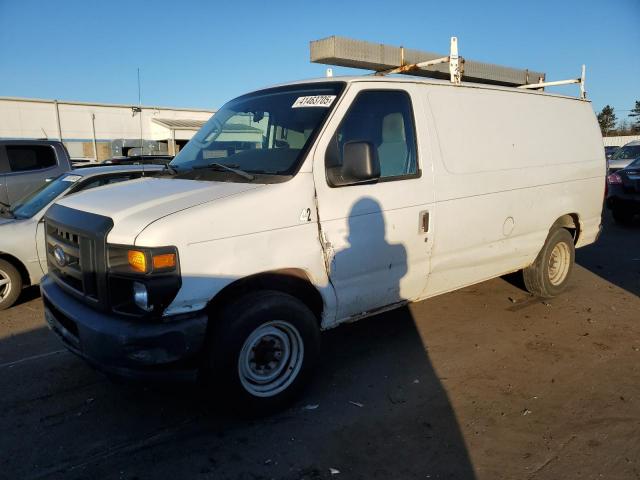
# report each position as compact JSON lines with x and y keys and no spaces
{"x":10,"y":291}
{"x":621,"y":216}
{"x":547,"y":277}
{"x":266,"y":320}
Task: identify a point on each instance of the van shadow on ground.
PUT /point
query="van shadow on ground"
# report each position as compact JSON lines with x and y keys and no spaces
{"x":616,"y":255}
{"x":376,"y":409}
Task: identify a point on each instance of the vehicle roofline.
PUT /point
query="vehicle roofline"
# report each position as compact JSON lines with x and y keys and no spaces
{"x":407,"y":79}
{"x":37,"y":141}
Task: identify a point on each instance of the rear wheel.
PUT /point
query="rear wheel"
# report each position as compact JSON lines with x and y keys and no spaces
{"x":10,"y":284}
{"x":262,"y":349}
{"x":549,"y":274}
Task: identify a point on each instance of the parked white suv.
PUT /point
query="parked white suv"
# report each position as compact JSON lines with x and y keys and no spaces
{"x":303,"y":206}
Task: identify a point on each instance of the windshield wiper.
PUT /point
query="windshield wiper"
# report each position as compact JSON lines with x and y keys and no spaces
{"x":170,"y":169}
{"x":222,"y":166}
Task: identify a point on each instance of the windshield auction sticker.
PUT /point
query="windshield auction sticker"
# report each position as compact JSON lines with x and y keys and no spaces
{"x":314,"y":101}
{"x":71,"y":178}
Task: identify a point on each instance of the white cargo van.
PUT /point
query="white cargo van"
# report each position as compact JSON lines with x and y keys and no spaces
{"x":303,"y":206}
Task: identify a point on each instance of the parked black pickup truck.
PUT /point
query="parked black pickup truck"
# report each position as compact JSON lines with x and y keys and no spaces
{"x":27,"y":164}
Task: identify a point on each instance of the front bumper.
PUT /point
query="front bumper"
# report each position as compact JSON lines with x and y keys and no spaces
{"x":122,"y":346}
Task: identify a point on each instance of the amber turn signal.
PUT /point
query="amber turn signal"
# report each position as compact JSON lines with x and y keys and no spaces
{"x":137,"y":260}
{"x":164,"y":260}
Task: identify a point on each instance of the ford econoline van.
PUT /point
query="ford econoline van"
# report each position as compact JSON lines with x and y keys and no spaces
{"x":303,"y":206}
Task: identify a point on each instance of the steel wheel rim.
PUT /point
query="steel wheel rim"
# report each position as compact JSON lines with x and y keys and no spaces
{"x":559,"y":263}
{"x":271,"y":358}
{"x":5,"y":285}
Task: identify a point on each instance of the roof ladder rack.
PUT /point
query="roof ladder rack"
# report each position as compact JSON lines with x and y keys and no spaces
{"x":541,"y":83}
{"x":456,"y":64}
{"x":385,"y":59}
{"x":388,"y":59}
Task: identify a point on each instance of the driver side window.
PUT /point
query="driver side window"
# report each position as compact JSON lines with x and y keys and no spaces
{"x":384,"y":119}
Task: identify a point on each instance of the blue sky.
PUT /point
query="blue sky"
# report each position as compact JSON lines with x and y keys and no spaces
{"x":200,"y":54}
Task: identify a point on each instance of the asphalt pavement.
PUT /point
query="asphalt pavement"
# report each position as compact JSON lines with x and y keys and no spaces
{"x":486,"y":382}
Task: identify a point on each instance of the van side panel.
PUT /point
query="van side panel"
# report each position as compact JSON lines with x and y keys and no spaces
{"x":508,"y":165}
{"x":267,"y":229}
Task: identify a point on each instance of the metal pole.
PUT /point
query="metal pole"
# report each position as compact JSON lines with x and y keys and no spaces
{"x":140,"y":113}
{"x":95,"y":143}
{"x":141,"y":137}
{"x":550,"y":84}
{"x":55,"y":103}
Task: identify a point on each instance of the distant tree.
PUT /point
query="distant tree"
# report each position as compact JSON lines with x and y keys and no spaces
{"x":623,"y":128}
{"x":607,"y":119}
{"x":635,"y":115}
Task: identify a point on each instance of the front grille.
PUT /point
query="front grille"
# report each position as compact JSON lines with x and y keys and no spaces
{"x":77,"y":268}
{"x":76,"y":253}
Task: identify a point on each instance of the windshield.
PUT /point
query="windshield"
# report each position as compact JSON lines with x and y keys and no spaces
{"x":627,"y":152}
{"x":28,"y":206}
{"x":262,"y":133}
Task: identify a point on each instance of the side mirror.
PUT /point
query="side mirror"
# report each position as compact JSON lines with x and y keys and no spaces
{"x":360,"y":162}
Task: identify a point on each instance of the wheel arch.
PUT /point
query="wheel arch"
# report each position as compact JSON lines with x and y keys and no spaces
{"x":570,"y":221}
{"x":22,"y":269}
{"x":292,"y":281}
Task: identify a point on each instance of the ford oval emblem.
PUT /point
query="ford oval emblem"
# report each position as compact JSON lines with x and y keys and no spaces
{"x":60,"y":256}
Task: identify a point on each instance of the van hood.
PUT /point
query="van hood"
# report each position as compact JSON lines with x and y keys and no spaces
{"x":135,"y":204}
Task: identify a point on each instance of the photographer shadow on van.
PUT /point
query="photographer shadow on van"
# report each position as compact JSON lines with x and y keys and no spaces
{"x":406,"y":427}
{"x":369,"y":269}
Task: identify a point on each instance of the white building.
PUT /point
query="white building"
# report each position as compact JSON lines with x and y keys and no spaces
{"x":100,"y":131}
{"x":619,"y":141}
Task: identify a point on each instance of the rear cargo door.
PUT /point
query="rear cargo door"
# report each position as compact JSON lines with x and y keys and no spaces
{"x":376,"y":236}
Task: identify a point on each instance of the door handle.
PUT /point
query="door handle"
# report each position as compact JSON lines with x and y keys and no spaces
{"x":424,"y":221}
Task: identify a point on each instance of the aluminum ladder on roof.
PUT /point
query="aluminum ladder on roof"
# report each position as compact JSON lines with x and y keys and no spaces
{"x":386,"y":59}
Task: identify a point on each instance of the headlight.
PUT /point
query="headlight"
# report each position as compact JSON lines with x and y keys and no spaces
{"x":137,"y":260}
{"x":141,"y":296}
{"x":142,"y":280}
{"x":123,"y":259}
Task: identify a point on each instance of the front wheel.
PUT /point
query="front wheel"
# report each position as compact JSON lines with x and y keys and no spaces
{"x":10,"y":284}
{"x":549,"y":274}
{"x":262,"y":349}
